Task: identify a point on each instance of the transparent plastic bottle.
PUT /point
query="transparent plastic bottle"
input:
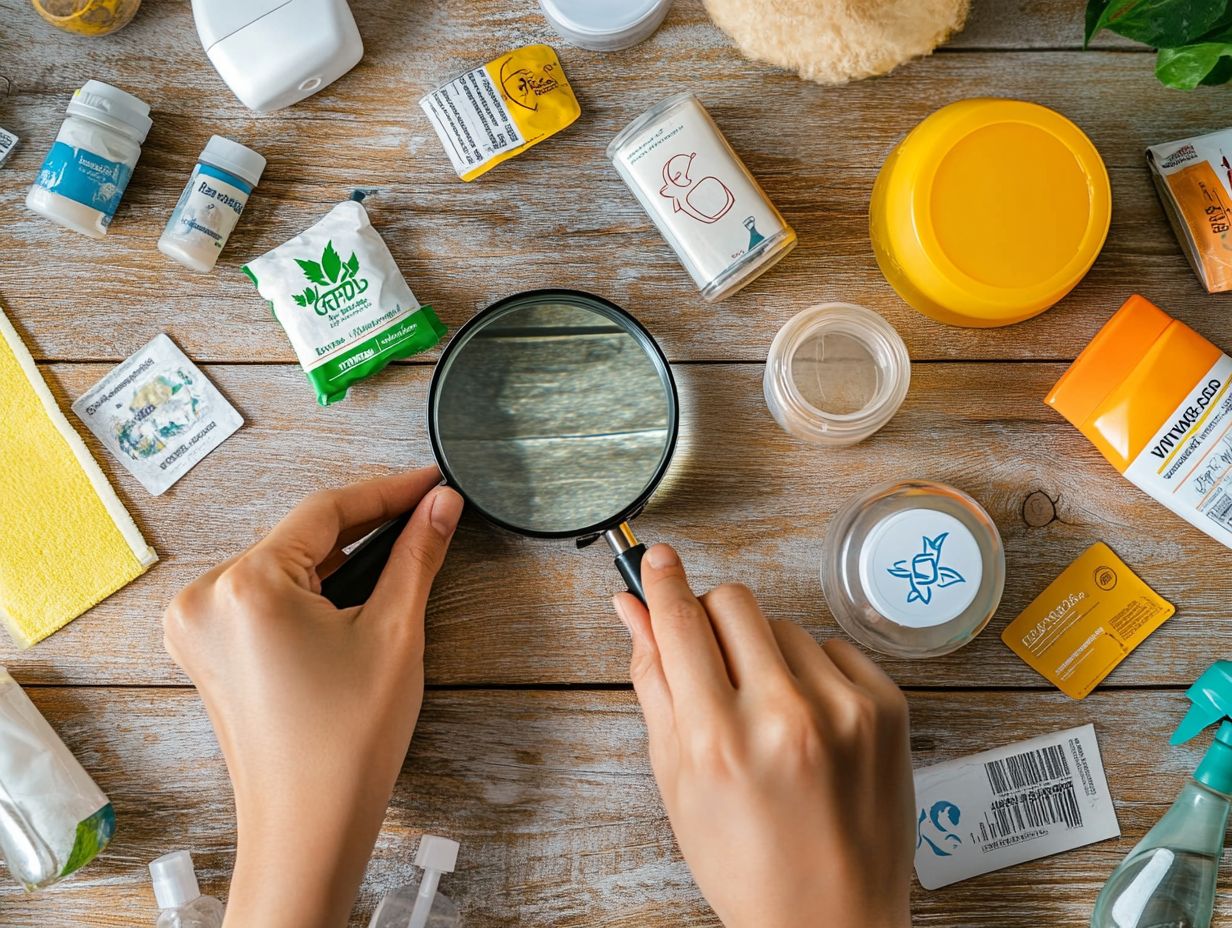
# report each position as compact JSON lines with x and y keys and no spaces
{"x":418,"y":904}
{"x":179,"y":896}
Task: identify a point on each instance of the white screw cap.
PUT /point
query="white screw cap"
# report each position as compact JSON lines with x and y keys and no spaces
{"x":437,"y":853}
{"x":175,"y":881}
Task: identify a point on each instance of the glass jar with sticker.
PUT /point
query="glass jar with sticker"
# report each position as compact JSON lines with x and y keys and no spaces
{"x":835,"y":374}
{"x":700,"y":196}
{"x":84,"y":176}
{"x":913,"y":569}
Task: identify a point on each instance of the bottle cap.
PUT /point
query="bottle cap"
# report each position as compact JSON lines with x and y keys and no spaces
{"x":604,"y":26}
{"x":1211,"y":698}
{"x":113,"y":108}
{"x":238,"y":159}
{"x":175,"y":881}
{"x":437,"y":853}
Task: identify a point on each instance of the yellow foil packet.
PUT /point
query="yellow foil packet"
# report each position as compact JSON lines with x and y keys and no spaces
{"x":1089,"y":619}
{"x":490,"y":114}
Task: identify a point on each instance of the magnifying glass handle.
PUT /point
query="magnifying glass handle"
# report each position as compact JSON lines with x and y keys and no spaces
{"x":629,"y":552}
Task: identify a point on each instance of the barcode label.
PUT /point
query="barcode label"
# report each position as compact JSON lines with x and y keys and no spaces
{"x":1034,"y":809}
{"x":472,"y":120}
{"x":1030,"y":768}
{"x":7,"y":141}
{"x":1220,"y":509}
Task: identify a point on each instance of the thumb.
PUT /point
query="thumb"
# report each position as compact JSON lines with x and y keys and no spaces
{"x":404,"y":584}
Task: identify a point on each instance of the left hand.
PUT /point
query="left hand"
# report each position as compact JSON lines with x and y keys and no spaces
{"x":314,"y":706}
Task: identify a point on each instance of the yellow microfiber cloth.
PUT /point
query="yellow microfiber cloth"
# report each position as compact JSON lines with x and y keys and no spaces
{"x":66,"y":541}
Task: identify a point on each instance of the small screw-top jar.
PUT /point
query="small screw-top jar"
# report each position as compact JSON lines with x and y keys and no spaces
{"x":84,"y":175}
{"x":835,"y":374}
{"x":913,"y":569}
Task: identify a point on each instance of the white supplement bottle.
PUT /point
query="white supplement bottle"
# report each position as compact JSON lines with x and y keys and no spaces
{"x":84,"y":175}
{"x":211,"y":203}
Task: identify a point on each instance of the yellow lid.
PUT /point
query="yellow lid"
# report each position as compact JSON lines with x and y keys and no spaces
{"x":989,"y":212}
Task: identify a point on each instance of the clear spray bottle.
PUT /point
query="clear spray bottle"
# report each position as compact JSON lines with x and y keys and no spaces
{"x":179,"y":896}
{"x":418,"y":904}
{"x":1168,"y":879}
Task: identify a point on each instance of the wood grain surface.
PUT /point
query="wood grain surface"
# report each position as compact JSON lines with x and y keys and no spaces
{"x":531,"y":749}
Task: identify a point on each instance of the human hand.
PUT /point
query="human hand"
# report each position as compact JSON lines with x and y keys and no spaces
{"x":785,"y":766}
{"x":313,"y":706}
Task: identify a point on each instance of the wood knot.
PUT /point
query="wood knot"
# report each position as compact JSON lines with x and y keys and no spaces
{"x":1038,"y":509}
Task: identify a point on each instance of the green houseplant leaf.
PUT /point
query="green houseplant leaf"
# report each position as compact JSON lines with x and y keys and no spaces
{"x":312,"y":271}
{"x":1190,"y":65}
{"x":1159,"y":23}
{"x":331,"y":263}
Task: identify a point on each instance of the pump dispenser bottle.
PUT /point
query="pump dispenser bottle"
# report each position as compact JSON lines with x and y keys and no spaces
{"x":1168,"y":880}
{"x":418,"y":904}
{"x":179,"y":897}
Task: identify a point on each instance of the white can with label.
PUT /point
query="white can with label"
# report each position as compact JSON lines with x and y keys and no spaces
{"x":211,"y":203}
{"x":702,"y":198}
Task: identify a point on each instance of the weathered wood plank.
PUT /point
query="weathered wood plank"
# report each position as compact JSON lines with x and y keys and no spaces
{"x":552,"y":799}
{"x":558,"y":215}
{"x":743,"y":501}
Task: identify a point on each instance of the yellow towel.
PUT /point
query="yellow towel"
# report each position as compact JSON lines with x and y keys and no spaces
{"x":66,"y":541}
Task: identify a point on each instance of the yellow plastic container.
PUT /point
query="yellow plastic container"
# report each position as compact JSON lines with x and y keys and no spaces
{"x":989,"y":212}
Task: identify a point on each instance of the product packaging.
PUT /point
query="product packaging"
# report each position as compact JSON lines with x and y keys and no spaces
{"x":490,"y":114}
{"x":179,"y":896}
{"x":1152,"y":395}
{"x":1004,"y":807}
{"x":1194,"y":180}
{"x":343,"y":302}
{"x":211,"y":204}
{"x":158,"y":414}
{"x":53,"y":818}
{"x":1087,"y":621}
{"x":418,"y":904}
{"x":8,"y":141}
{"x":603,"y":26}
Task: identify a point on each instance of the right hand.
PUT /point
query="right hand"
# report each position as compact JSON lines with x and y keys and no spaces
{"x":785,"y":766}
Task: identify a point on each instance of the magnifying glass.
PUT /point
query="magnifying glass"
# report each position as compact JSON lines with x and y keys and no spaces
{"x":554,"y":413}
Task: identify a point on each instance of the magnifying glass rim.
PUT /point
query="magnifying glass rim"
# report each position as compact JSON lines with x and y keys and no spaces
{"x":648,"y":344}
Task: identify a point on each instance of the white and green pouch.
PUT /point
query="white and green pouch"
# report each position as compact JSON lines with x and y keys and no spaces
{"x":343,"y":302}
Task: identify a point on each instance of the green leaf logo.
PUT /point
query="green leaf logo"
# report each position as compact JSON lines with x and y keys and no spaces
{"x":312,"y":271}
{"x":352,"y":265}
{"x":330,"y":263}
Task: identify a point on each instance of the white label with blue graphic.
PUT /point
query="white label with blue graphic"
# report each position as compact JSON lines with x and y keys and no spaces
{"x":1004,"y":807}
{"x":921,"y":568}
{"x":85,"y":177}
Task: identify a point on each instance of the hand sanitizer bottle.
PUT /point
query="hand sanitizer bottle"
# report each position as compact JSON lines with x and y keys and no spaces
{"x":179,"y":897}
{"x":1168,"y":880}
{"x":418,"y":904}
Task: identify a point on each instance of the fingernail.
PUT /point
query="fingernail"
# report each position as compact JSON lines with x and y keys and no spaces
{"x":620,"y":614}
{"x":446,"y":510}
{"x":661,"y":556}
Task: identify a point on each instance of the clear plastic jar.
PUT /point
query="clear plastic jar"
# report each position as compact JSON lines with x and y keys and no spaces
{"x":835,"y":374}
{"x":83,"y":178}
{"x":912,"y":569}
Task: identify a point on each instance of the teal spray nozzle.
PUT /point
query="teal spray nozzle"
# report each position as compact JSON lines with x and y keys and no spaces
{"x":1211,"y":698}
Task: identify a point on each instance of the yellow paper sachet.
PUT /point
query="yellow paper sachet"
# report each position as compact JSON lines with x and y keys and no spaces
{"x":1087,"y":621}
{"x":490,"y":114}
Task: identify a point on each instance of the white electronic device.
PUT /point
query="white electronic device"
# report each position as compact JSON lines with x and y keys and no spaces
{"x":273,"y":53}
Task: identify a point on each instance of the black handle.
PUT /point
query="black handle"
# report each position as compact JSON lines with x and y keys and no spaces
{"x":353,"y":582}
{"x":629,"y":563}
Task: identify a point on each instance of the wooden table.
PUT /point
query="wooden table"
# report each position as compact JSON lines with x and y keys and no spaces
{"x":531,"y":749}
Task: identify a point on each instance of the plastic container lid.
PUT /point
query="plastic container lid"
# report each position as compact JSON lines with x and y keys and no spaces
{"x":112,"y":107}
{"x":437,"y":853}
{"x":175,"y":881}
{"x":835,"y":374}
{"x":913,"y":569}
{"x":235,"y":158}
{"x":605,"y":25}
{"x":989,"y":212}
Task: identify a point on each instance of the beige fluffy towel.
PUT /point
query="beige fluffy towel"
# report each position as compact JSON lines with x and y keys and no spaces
{"x":835,"y":41}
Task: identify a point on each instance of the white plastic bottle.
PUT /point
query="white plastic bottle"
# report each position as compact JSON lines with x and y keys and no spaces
{"x":179,"y":896}
{"x":418,"y":904}
{"x":211,"y":203}
{"x":83,"y":178}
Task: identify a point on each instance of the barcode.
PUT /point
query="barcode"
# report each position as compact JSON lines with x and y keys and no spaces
{"x":1037,"y":808}
{"x":1030,"y":768}
{"x":1220,"y":509}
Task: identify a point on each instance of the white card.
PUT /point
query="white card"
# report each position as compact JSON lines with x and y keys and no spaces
{"x":1010,"y":805}
{"x":158,"y":414}
{"x":8,"y":141}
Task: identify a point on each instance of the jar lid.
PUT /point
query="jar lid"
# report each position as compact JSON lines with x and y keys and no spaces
{"x":112,"y":107}
{"x":912,"y":569}
{"x":603,"y":25}
{"x":235,"y":158}
{"x":990,"y":211}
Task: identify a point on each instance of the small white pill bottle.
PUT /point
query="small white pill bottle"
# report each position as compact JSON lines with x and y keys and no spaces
{"x":82,"y":180}
{"x":211,"y":203}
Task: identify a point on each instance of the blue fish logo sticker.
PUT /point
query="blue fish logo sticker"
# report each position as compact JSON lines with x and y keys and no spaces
{"x":925,"y":572}
{"x":935,"y":827}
